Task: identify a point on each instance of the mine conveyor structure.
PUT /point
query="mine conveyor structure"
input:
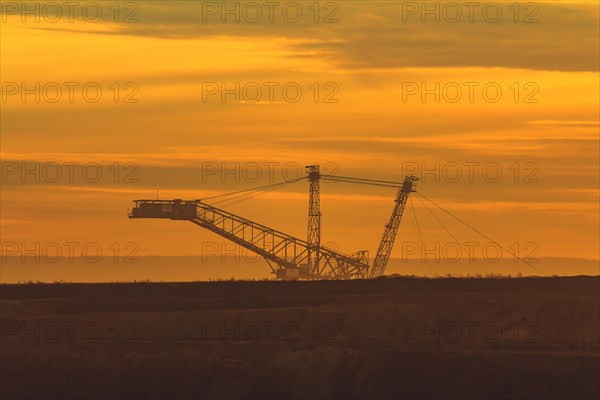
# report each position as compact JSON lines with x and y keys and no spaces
{"x":289,"y":257}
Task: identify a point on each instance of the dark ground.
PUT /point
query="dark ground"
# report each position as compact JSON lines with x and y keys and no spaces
{"x":385,"y":338}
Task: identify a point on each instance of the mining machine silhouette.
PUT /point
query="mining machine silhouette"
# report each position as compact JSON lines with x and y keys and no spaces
{"x":289,"y":257}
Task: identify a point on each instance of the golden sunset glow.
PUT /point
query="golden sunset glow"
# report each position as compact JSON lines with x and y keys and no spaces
{"x":383,"y":94}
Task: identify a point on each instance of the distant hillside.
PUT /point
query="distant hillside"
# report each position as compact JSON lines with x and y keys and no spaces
{"x":183,"y":269}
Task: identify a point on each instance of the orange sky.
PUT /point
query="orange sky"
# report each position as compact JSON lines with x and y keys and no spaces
{"x":544,"y":124}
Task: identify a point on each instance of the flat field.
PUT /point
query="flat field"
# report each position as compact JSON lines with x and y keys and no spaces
{"x":383,"y":338}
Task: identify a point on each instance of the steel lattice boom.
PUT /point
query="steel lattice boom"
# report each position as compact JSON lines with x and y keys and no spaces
{"x":289,"y":257}
{"x":391,"y":229}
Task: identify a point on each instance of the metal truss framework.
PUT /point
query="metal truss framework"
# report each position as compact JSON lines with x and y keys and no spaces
{"x":281,"y":250}
{"x":289,"y":257}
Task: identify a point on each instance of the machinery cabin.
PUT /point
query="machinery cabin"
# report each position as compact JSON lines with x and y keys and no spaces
{"x":173,"y":209}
